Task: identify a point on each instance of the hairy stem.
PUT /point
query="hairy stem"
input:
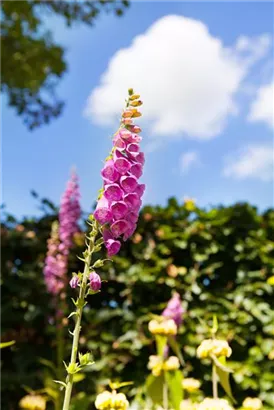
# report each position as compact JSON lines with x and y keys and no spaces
{"x":79,"y":311}
{"x":214,"y":381}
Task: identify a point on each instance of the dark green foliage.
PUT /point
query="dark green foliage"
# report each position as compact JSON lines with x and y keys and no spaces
{"x":220,"y":261}
{"x":32,"y":63}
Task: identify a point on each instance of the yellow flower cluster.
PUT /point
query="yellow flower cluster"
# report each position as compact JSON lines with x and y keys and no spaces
{"x":214,"y":404}
{"x":33,"y":402}
{"x":156,"y":364}
{"x":252,"y":403}
{"x":213,"y":346}
{"x":165,"y":327}
{"x":111,"y":401}
{"x":190,"y":384}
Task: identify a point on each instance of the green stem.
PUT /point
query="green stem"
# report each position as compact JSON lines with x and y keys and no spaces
{"x":214,"y":382}
{"x":79,"y":311}
{"x":165,"y":395}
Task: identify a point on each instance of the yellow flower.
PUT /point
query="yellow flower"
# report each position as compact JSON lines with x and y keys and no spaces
{"x":191,"y":384}
{"x":33,"y":402}
{"x":119,"y":401}
{"x":111,"y":401}
{"x":172,"y":363}
{"x":271,"y":355}
{"x":155,"y":364}
{"x":252,"y":403}
{"x":103,"y":400}
{"x":165,"y":327}
{"x":214,"y":404}
{"x":213,"y":346}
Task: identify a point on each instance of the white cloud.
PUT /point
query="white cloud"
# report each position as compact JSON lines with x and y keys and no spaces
{"x":262,"y":109}
{"x":188,"y":160}
{"x":187,"y":78}
{"x":256,"y":161}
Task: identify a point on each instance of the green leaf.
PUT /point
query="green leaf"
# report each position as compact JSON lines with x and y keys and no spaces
{"x":118,"y":385}
{"x":175,"y":390}
{"x":176,"y":349}
{"x":6,"y":344}
{"x":223,"y":374}
{"x":215,"y":325}
{"x":154,"y":388}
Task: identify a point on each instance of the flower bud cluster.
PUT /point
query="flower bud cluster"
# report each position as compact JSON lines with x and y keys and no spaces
{"x":33,"y":402}
{"x":191,"y":385}
{"x":166,"y":327}
{"x":252,"y":403}
{"x":213,"y":346}
{"x":214,"y":404}
{"x":157,"y":365}
{"x":111,"y":401}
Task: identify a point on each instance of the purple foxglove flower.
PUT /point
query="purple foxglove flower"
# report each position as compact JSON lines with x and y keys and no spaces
{"x":113,"y":246}
{"x":132,"y":200}
{"x":109,"y":172}
{"x":107,"y":234}
{"x":70,"y":212}
{"x":174,"y":309}
{"x":119,"y":227}
{"x":123,"y":193}
{"x":119,"y":209}
{"x":128,"y":183}
{"x":130,"y":231}
{"x":125,"y":134}
{"x":74,"y":282}
{"x":132,"y":216}
{"x":94,"y":281}
{"x":140,"y":158}
{"x":119,"y":143}
{"x":133,"y":149}
{"x":103,"y":213}
{"x":136,"y":170}
{"x":140,"y":189}
{"x":121,"y":163}
{"x":113,"y":192}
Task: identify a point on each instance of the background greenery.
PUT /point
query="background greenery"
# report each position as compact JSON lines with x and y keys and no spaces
{"x":220,"y":261}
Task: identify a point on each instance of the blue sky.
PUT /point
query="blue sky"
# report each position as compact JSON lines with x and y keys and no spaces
{"x":205,"y":74}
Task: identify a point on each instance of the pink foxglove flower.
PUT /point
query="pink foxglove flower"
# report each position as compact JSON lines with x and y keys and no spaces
{"x":55,"y":263}
{"x":59,"y":244}
{"x":119,"y":204}
{"x":94,"y":281}
{"x":174,"y":309}
{"x":70,"y":212}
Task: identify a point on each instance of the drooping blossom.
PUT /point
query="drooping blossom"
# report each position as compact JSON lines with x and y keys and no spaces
{"x":94,"y":281}
{"x":174,"y":309}
{"x":119,"y":204}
